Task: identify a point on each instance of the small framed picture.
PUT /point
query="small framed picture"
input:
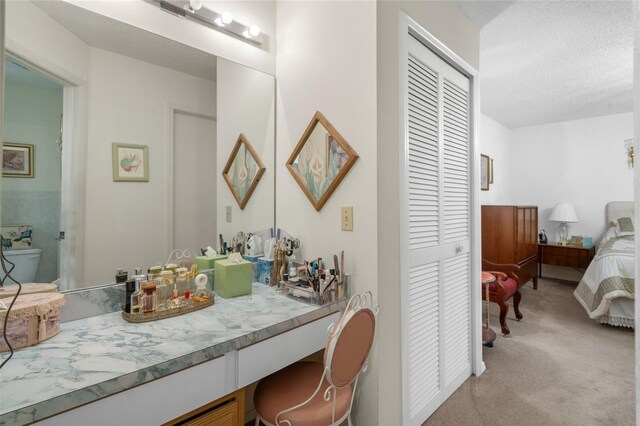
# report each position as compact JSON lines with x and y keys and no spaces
{"x":485,"y":169}
{"x":17,"y":160}
{"x":130,"y":163}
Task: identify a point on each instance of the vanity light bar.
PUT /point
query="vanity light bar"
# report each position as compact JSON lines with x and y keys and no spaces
{"x":208,"y":17}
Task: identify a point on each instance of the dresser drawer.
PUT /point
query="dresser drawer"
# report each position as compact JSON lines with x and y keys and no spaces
{"x":565,"y":256}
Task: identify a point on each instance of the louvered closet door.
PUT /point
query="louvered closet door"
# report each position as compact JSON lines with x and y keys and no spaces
{"x":438,"y":336}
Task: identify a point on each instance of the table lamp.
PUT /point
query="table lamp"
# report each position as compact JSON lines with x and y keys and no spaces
{"x":563,"y":213}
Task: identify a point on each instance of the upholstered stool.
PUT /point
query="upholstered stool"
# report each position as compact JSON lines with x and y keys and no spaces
{"x":506,"y":286}
{"x":313,"y":393}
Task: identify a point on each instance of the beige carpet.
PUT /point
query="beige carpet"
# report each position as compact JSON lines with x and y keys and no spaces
{"x":558,"y":367}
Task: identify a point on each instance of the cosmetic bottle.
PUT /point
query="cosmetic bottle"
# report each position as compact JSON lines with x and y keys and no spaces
{"x":201,"y":295}
{"x":137,"y":294}
{"x":121,"y":276}
{"x":130,"y":288}
{"x":182,"y":283}
{"x":149,"y":299}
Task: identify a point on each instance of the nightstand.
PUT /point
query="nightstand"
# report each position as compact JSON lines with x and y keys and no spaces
{"x":572,"y":256}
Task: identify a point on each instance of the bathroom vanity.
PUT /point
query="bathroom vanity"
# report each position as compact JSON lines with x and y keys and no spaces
{"x":121,"y":373}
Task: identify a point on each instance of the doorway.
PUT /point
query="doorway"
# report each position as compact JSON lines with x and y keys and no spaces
{"x":32,"y":165}
{"x":194,"y":180}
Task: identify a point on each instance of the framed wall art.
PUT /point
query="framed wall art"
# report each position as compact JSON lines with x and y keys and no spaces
{"x":130,"y":162}
{"x":243,"y":171}
{"x":17,"y":160}
{"x":485,"y":169}
{"x":321,"y":160}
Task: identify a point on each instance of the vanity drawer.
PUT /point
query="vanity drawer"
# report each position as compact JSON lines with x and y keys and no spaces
{"x":148,"y":404}
{"x":260,"y":360}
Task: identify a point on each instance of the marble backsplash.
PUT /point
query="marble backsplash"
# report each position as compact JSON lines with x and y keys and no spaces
{"x":88,"y":302}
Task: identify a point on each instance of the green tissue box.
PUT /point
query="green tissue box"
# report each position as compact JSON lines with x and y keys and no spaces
{"x":203,"y":262}
{"x":232,"y":279}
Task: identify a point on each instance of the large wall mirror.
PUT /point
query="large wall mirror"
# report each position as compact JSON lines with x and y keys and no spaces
{"x":76,"y":83}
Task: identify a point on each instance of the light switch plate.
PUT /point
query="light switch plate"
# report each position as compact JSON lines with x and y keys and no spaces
{"x":346,"y":218}
{"x":228,"y":213}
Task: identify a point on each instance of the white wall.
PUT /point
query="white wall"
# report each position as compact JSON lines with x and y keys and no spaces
{"x":494,"y":142}
{"x":326,"y":59}
{"x":446,"y":22}
{"x":582,"y":162}
{"x":127,"y":222}
{"x":148,"y":16}
{"x":246,"y":104}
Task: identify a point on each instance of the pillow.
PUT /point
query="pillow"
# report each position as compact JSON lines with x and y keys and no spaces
{"x":611,"y":233}
{"x":624,"y":226}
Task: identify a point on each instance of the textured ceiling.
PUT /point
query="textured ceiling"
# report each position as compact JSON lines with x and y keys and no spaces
{"x":115,"y":36}
{"x":481,"y":12}
{"x":551,"y":61}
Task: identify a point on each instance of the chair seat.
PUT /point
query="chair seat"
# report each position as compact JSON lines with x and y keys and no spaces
{"x":293,"y":385}
{"x":510,"y":286}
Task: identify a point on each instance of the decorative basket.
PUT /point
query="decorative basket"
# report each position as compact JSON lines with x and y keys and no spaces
{"x":34,"y":318}
{"x":31,"y":288}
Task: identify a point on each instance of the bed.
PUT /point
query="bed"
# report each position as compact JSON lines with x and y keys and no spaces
{"x":606,"y":290}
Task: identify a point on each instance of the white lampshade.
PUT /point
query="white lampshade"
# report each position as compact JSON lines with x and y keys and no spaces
{"x":563,"y":212}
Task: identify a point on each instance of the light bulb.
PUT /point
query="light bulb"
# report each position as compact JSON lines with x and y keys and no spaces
{"x":195,"y":4}
{"x":254,"y":31}
{"x":226,"y":18}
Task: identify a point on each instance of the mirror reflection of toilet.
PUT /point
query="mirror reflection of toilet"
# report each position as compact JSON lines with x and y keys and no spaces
{"x":18,"y":249}
{"x":26,"y":261}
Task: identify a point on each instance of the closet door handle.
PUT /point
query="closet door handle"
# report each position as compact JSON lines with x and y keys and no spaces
{"x":459,"y":249}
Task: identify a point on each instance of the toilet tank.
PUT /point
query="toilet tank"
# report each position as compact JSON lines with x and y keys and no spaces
{"x":26,"y":262}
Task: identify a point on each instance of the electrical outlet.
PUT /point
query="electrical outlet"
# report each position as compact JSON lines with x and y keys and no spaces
{"x":346,"y":218}
{"x":228,"y":211}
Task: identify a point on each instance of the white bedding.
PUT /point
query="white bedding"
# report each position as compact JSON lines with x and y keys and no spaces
{"x":609,"y":277}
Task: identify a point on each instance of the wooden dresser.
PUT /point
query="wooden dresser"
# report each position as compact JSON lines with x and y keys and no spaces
{"x":510,"y":235}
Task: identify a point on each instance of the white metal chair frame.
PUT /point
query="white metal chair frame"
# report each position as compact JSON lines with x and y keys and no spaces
{"x":356,"y":303}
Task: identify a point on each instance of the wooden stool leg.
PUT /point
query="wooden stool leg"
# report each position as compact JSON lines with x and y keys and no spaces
{"x":504,"y":309}
{"x":516,"y":305}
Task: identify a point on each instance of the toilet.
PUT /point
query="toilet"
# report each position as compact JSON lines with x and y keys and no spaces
{"x":26,"y":262}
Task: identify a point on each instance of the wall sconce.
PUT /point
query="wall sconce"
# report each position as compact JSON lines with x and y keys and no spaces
{"x":223,"y":22}
{"x":628,"y":144}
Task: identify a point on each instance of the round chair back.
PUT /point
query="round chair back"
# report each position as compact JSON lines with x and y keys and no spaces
{"x":348,"y":347}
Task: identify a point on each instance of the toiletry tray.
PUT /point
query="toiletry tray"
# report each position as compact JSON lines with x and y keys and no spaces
{"x":169,"y":313}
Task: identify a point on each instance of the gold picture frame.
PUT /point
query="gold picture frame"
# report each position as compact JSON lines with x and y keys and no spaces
{"x":17,"y":160}
{"x":130,"y":162}
{"x":320,"y":160}
{"x":243,"y":171}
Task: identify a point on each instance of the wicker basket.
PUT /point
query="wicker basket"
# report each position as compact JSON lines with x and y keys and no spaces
{"x":33,"y":319}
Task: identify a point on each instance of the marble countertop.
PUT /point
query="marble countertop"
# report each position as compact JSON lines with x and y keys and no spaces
{"x":99,"y":356}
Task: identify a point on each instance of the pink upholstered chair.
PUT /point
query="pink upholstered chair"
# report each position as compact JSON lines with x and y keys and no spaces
{"x":313,"y":393}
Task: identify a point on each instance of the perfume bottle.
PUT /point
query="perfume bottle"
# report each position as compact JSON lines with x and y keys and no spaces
{"x":149,"y":299}
{"x":182,"y":283}
{"x":201,"y":294}
{"x":139,"y":280}
{"x":121,"y":276}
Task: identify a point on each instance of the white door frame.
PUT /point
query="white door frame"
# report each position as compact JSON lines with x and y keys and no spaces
{"x":171,"y":111}
{"x":407,"y":28}
{"x":636,"y":188}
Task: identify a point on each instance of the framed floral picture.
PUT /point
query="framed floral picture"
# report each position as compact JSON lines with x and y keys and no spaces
{"x":321,"y":160}
{"x":243,"y":171}
{"x":17,"y":160}
{"x":130,"y":162}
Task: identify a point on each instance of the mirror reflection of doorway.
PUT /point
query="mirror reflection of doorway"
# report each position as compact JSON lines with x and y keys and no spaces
{"x":194,"y":181}
{"x":33,"y":109}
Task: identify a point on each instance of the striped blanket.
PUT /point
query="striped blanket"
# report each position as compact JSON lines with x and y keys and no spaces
{"x":609,"y":276}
